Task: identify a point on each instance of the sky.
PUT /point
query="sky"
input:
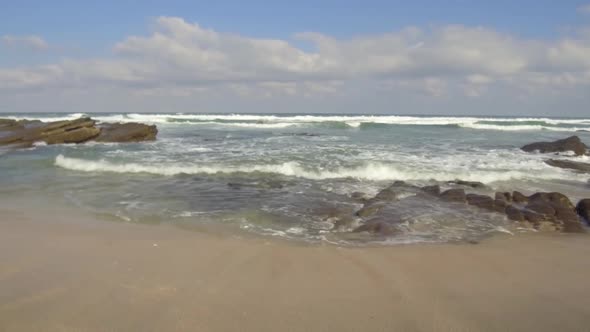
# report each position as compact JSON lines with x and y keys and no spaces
{"x":454,"y":57}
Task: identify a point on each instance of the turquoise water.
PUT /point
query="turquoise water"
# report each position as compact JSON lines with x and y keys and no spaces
{"x":275,"y":174}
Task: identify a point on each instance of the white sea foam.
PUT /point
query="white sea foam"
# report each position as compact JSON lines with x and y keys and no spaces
{"x":375,"y":171}
{"x":352,"y":121}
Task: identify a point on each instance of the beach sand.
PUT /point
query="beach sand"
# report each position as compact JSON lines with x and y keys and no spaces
{"x":66,"y":272}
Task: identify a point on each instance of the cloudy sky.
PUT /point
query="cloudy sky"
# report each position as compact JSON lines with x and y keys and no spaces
{"x":424,"y":57}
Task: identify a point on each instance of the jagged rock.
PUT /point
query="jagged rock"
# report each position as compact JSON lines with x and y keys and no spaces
{"x":518,"y":197}
{"x":453,"y":195}
{"x":377,"y":226}
{"x":500,"y":205}
{"x":513,"y":213}
{"x":505,"y":196}
{"x":481,"y":201}
{"x":572,"y":143}
{"x":555,"y":198}
{"x":127,"y":132}
{"x":433,"y":190}
{"x":472,"y":184}
{"x":544,"y":209}
{"x":359,"y":196}
{"x":370,"y":209}
{"x":568,"y":164}
{"x":583,"y":209}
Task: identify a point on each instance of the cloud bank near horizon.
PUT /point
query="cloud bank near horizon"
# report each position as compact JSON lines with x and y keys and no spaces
{"x":436,"y":65}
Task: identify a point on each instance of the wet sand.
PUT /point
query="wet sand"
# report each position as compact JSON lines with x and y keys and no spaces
{"x":69,"y":273}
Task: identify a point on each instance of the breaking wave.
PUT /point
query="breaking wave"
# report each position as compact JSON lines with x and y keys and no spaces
{"x":374,"y":171}
{"x":333,"y":121}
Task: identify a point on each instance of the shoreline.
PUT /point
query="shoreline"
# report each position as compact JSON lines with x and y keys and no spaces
{"x":70,"y":272}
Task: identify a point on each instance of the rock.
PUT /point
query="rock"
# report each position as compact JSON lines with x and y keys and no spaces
{"x":572,"y":143}
{"x":432,"y":190}
{"x":472,"y":184}
{"x":544,"y":209}
{"x":23,"y":133}
{"x":359,"y":196}
{"x":127,"y":132}
{"x":370,"y":209}
{"x":568,"y":164}
{"x":518,"y":197}
{"x":513,"y":213}
{"x":481,"y":201}
{"x":505,"y":196}
{"x":79,"y":135}
{"x":554,"y":198}
{"x":377,"y":226}
{"x":583,"y":209}
{"x":500,"y":205}
{"x":454,"y":195}
{"x":387,"y":194}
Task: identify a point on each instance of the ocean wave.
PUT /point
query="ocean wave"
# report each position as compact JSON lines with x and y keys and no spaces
{"x":374,"y":171}
{"x":331,"y":121}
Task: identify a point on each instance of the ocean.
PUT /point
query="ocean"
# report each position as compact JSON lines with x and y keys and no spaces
{"x":285,"y":175}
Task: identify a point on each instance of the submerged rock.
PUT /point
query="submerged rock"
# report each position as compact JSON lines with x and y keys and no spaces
{"x":454,"y":195}
{"x":583,"y":209}
{"x":472,"y":184}
{"x":377,"y":226}
{"x":568,"y":164}
{"x":572,"y":143}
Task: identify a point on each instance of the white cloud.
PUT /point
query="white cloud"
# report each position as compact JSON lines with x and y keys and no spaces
{"x":184,"y":59}
{"x":29,"y":42}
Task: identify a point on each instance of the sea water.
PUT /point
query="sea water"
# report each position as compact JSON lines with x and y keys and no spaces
{"x":275,"y":174}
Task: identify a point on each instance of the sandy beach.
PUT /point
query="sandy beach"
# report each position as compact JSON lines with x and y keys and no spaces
{"x":71,"y":273}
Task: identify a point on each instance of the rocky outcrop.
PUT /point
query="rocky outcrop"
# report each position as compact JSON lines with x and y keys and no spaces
{"x":575,"y":165}
{"x":126,"y":132}
{"x":551,"y":211}
{"x":572,"y":143}
{"x":24,"y":133}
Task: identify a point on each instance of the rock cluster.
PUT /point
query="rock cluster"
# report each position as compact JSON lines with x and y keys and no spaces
{"x":543,"y":211}
{"x":25,"y":133}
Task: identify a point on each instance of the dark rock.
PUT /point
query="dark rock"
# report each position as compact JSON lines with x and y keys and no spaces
{"x":583,"y":209}
{"x":377,"y":226}
{"x":359,"y":196}
{"x":387,"y":194}
{"x":533,"y":217}
{"x":472,"y":184}
{"x":572,"y":143}
{"x":513,"y":213}
{"x":575,"y":165}
{"x":433,"y":190}
{"x":370,"y":209}
{"x":481,"y":201}
{"x":454,"y":195}
{"x":500,"y":205}
{"x":127,"y":132}
{"x":554,"y":198}
{"x":544,"y":209}
{"x":518,"y":197}
{"x":505,"y":196}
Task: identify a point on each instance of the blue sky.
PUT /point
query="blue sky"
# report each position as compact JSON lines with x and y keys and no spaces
{"x":82,"y":49}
